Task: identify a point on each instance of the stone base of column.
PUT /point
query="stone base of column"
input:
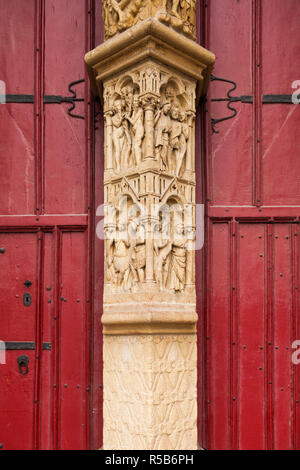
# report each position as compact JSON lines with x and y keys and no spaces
{"x":150,"y":392}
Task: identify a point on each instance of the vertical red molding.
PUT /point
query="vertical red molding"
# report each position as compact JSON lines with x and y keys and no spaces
{"x":201,"y":255}
{"x":39,"y":45}
{"x":56,"y":341}
{"x":38,"y":340}
{"x":295,"y":334}
{"x":257,"y":183}
{"x":39,"y":105}
{"x":96,"y":145}
{"x":234,"y":337}
{"x":296,"y":435}
{"x":89,"y":132}
{"x":269,"y":337}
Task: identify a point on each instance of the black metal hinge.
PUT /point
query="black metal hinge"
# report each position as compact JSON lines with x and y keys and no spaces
{"x":50,"y":99}
{"x":25,"y":346}
{"x":266,"y":99}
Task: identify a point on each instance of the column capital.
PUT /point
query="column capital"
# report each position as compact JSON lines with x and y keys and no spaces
{"x":149,"y":39}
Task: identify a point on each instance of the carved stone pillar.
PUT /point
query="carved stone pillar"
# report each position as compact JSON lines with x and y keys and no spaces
{"x":150,"y":74}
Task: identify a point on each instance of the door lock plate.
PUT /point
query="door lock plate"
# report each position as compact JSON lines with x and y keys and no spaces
{"x":27,"y":299}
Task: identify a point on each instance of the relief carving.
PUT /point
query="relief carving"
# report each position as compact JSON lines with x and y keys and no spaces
{"x":119,"y":15}
{"x":147,"y":119}
{"x":126,"y":256}
{"x":181,"y":14}
{"x":148,"y":132}
{"x":177,"y":263}
{"x":156,"y":372}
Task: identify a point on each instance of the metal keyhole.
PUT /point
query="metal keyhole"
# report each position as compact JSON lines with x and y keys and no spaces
{"x":23,"y":362}
{"x":27,"y":299}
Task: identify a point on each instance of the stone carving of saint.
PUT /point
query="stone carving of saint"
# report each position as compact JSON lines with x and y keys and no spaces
{"x":127,"y":98}
{"x":178,"y":137}
{"x":162,"y":124}
{"x":110,"y":233}
{"x":121,"y":137}
{"x":183,"y":139}
{"x":162,"y":249}
{"x":118,"y":132}
{"x":137,"y":122}
{"x":127,"y":104}
{"x":119,"y":257}
{"x":138,"y":258}
{"x":177,"y":264}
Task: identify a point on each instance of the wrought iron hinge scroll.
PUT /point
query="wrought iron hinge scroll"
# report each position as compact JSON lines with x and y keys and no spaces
{"x":67,"y":99}
{"x":266,"y":99}
{"x":51,"y":99}
{"x":229,"y":99}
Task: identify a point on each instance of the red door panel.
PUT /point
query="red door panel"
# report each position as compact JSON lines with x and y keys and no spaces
{"x":17,"y":176}
{"x":218,"y":338}
{"x":250,"y":336}
{"x":230,"y":164}
{"x":17,"y":403}
{"x":18,"y":265}
{"x":47,"y":206}
{"x":253,"y":319}
{"x":280,"y":51}
{"x":73,"y":350}
{"x":17,"y":325}
{"x":66,"y":161}
{"x":66,"y":35}
{"x":64,"y":169}
{"x":251,"y":189}
{"x":283,"y":322}
{"x":17,"y":34}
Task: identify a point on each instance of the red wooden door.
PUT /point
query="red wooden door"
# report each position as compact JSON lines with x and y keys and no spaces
{"x":47,"y":228}
{"x":251,"y":290}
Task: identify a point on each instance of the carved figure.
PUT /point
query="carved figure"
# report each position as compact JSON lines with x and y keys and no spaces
{"x":110,"y":234}
{"x":138,"y":130}
{"x":183,"y":138}
{"x":118,"y":132}
{"x":119,"y":14}
{"x":174,"y":8}
{"x":177,"y":265}
{"x":178,"y":136}
{"x":127,"y":104}
{"x":127,"y":98}
{"x":162,"y":249}
{"x":162,"y":124}
{"x":139,"y":252}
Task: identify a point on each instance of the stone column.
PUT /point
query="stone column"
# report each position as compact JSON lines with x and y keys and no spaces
{"x":149,"y":71}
